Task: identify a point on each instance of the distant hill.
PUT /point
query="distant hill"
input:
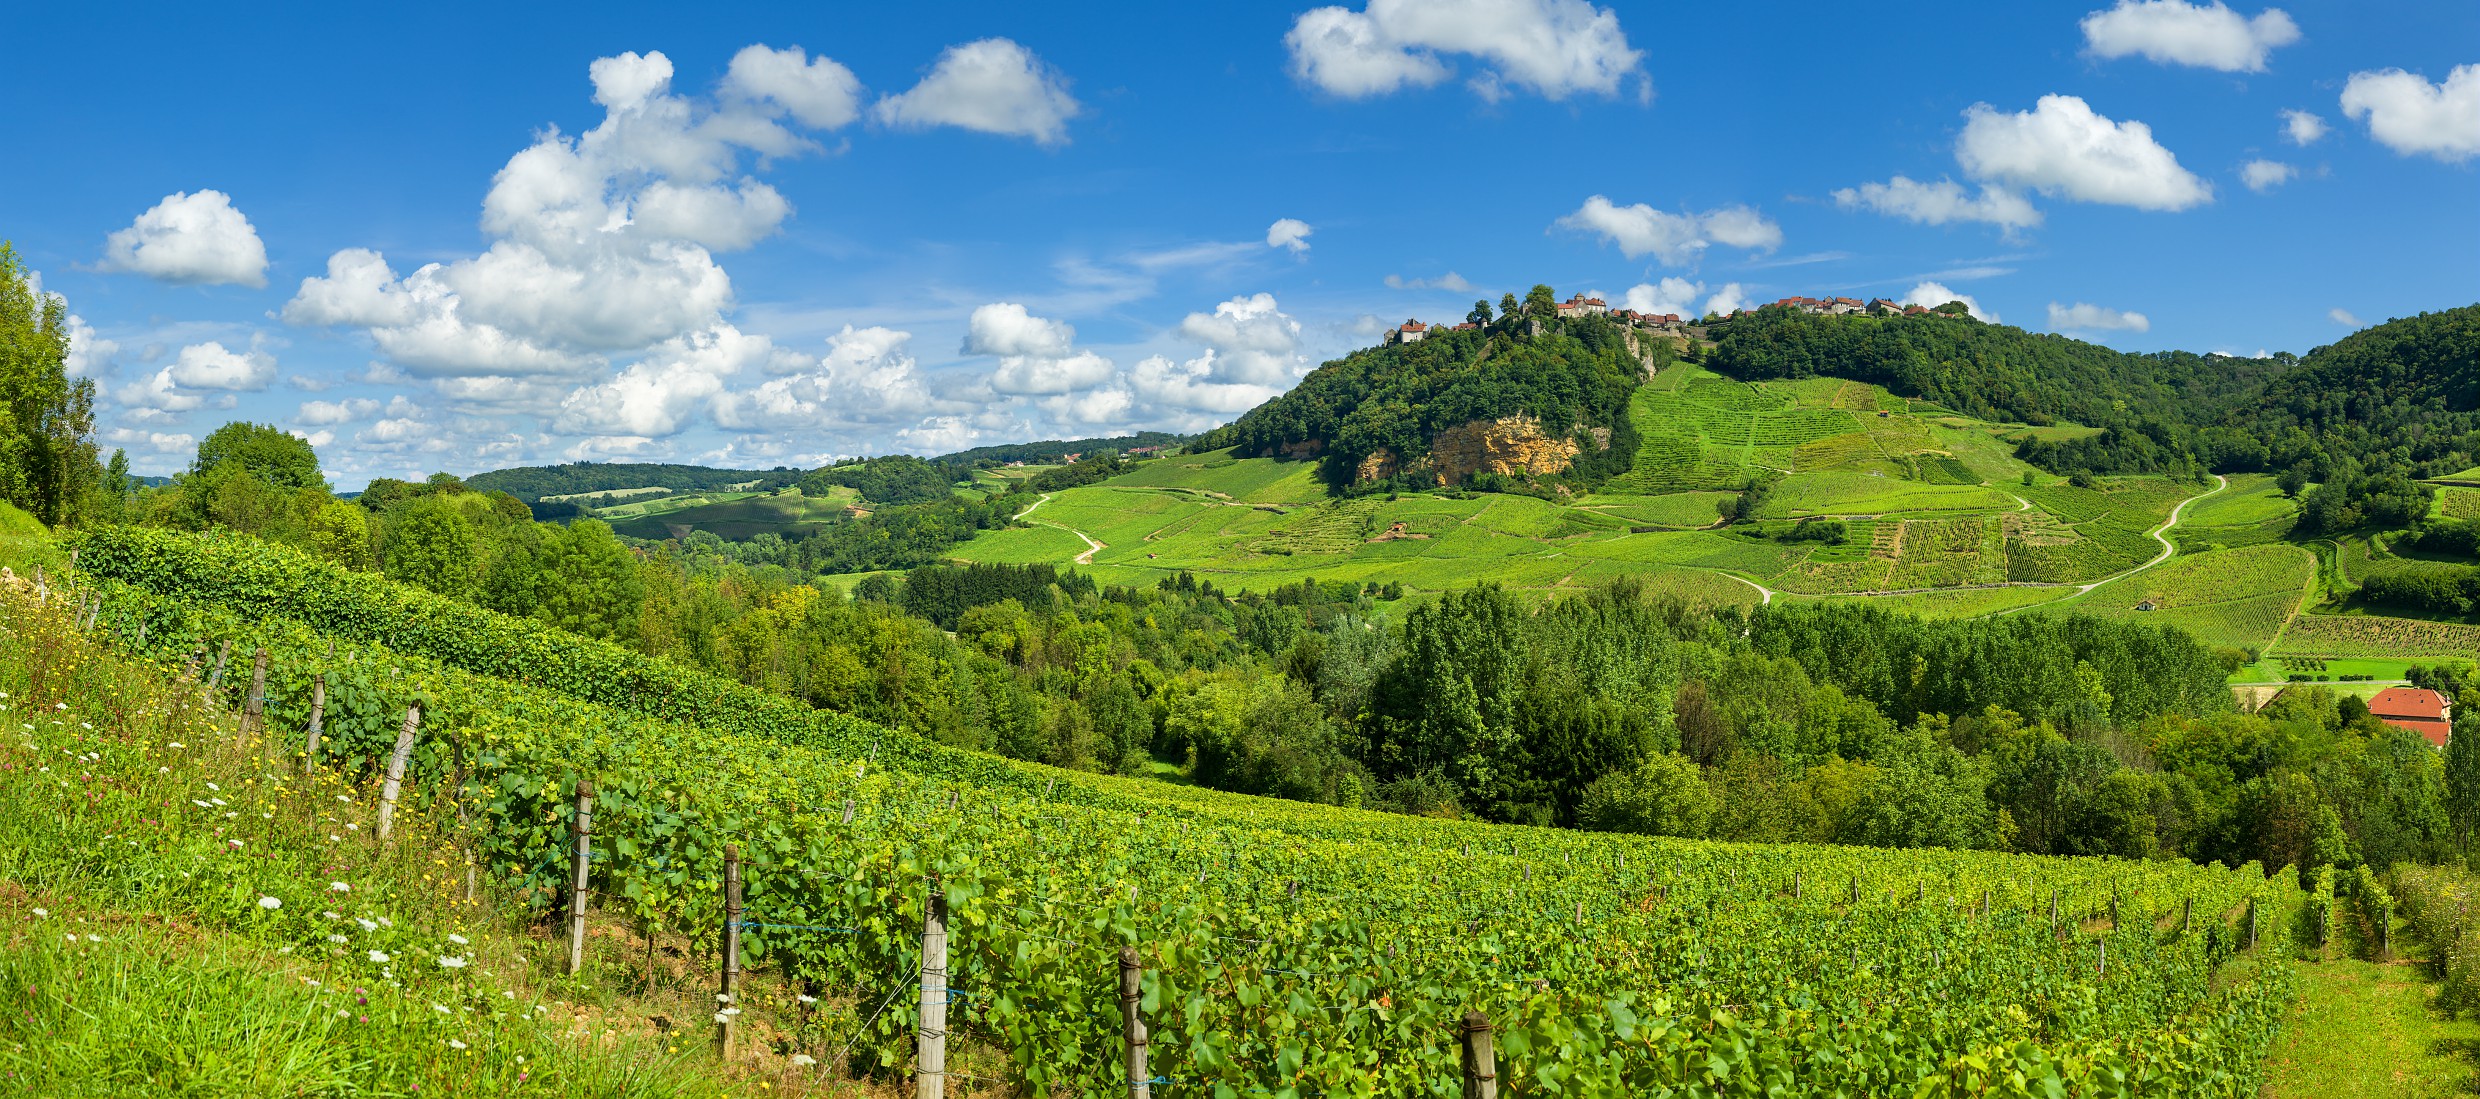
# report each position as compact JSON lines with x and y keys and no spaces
{"x":531,"y":483}
{"x":2411,"y":384}
{"x":1987,"y":371}
{"x":1520,"y":398}
{"x":1052,"y":451}
{"x":2400,"y":393}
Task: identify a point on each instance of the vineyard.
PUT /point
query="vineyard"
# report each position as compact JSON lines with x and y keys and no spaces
{"x":2378,"y":637}
{"x":1280,"y":948}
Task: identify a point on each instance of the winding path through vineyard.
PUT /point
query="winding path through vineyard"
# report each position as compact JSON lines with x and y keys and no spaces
{"x":2168,"y":549}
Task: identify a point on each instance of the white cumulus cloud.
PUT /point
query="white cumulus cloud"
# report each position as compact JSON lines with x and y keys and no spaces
{"x":211,"y":366}
{"x":326,"y":413}
{"x":1940,"y":203}
{"x":822,"y":94}
{"x":602,"y":248}
{"x":2413,"y":117}
{"x":866,"y":377}
{"x":1036,"y":354}
{"x":2302,"y":127}
{"x":2085,"y":317}
{"x":1671,"y":295}
{"x":191,"y":238}
{"x":1727,"y":300}
{"x":1552,"y":48}
{"x":2342,"y":317}
{"x":2265,"y":175}
{"x":1252,"y":353}
{"x":1930,"y":295}
{"x":1451,"y":282}
{"x":2174,"y":32}
{"x":2061,"y":147}
{"x":1676,"y":239}
{"x":992,"y":85}
{"x":1291,"y":233}
{"x":658,"y":395}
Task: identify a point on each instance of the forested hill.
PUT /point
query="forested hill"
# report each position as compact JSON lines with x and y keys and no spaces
{"x":1050,"y":451}
{"x":2410,"y":385}
{"x":1988,"y":371}
{"x":531,"y":483}
{"x":2399,"y":396}
{"x":1372,"y":416}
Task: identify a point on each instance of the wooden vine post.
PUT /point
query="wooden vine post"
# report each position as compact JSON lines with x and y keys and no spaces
{"x":2187,"y":915}
{"x":930,"y":1056}
{"x":318,"y":721}
{"x":216,"y":678}
{"x":1480,"y":1057}
{"x":1132,"y":1023}
{"x":396,"y":770}
{"x":578,"y":865}
{"x":726,"y":1034}
{"x":254,"y":707}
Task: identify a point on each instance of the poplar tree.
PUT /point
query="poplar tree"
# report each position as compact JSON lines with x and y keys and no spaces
{"x":48,"y":461}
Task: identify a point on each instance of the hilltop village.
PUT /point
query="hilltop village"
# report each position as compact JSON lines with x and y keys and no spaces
{"x":1580,"y":305}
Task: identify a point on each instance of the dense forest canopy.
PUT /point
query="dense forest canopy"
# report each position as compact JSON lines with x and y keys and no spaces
{"x":895,"y":479}
{"x":1571,"y":376}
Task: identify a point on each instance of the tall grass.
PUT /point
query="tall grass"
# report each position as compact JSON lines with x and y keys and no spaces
{"x":182,"y":915}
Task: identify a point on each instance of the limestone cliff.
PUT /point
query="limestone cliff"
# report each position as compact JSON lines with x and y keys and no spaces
{"x":1509,"y":446}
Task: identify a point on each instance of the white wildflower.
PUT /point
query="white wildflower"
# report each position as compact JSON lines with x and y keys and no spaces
{"x":270,"y":903}
{"x":338,"y":887}
{"x":457,"y":939}
{"x":379,"y":957}
{"x":803,"y":1060}
{"x":39,"y":913}
{"x":454,"y":1044}
{"x":451,"y":963}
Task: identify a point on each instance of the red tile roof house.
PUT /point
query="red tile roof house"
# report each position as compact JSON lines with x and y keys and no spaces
{"x":2421,"y":711}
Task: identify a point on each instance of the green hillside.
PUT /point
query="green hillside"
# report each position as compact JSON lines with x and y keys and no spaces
{"x":1929,"y":499}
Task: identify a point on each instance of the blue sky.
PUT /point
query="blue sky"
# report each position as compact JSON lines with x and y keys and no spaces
{"x":467,"y":237}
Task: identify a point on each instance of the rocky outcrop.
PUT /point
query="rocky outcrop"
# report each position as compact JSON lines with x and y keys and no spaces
{"x":1306,"y":448}
{"x":1379,"y":466}
{"x":1510,"y":446}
